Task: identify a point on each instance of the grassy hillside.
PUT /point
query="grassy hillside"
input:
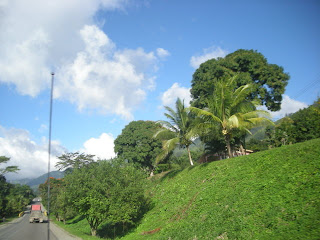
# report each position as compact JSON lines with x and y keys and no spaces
{"x":268,"y":195}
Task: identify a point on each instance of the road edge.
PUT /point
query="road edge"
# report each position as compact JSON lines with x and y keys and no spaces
{"x":61,"y":233}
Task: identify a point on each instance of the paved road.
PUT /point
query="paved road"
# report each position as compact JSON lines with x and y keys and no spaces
{"x":22,"y":229}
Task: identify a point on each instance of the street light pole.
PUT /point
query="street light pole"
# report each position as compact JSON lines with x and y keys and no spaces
{"x":49,"y":154}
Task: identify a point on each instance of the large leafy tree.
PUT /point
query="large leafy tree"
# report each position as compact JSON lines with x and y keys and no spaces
{"x":268,"y":81}
{"x":230,"y":110}
{"x":136,"y":144}
{"x":107,"y":191}
{"x":60,"y":201}
{"x":178,"y":131}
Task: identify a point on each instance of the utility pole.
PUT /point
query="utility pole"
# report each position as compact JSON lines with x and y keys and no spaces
{"x":49,"y":154}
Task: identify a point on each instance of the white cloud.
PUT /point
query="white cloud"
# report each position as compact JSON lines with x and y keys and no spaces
{"x":288,"y":106}
{"x":90,"y":71}
{"x":32,"y":39}
{"x":102,"y":77}
{"x":102,"y":147}
{"x":208,"y":53}
{"x":162,"y":53}
{"x":170,"y":96}
{"x":29,"y":156}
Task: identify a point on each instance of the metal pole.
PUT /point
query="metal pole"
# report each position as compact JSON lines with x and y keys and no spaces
{"x":49,"y":154}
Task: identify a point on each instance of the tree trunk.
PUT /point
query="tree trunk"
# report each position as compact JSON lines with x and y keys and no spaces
{"x":151,"y":169}
{"x":242,"y":150}
{"x":190,"y":158}
{"x":93,"y":232}
{"x":228,"y":146}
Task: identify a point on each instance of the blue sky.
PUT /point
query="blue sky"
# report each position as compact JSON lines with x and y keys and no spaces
{"x":118,"y":61}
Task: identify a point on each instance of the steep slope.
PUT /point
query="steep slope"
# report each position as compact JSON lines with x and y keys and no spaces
{"x":268,"y":195}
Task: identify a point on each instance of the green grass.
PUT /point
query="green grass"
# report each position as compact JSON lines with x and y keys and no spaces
{"x":268,"y":195}
{"x":9,"y":219}
{"x":78,"y":227}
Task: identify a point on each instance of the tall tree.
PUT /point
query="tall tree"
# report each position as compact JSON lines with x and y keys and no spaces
{"x":230,"y":110}
{"x":178,"y":131}
{"x":136,"y":144}
{"x":268,"y":81}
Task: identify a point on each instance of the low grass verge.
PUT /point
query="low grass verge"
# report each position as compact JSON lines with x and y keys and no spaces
{"x":9,"y":219}
{"x":78,"y":227}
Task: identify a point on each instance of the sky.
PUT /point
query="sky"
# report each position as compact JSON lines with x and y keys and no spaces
{"x":116,"y":61}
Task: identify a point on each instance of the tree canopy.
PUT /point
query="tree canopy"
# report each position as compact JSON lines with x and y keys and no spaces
{"x":297,"y":127}
{"x":106,"y":191}
{"x":13,"y":197}
{"x":74,"y":160}
{"x":268,"y":80}
{"x":179,"y":131}
{"x":136,"y":144}
{"x":230,"y":111}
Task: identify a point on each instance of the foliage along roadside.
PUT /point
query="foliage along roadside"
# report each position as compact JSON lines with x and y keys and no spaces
{"x":13,"y":197}
{"x":266,"y":195}
{"x":106,"y":192}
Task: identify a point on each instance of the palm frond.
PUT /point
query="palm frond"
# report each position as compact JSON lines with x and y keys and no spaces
{"x":167,"y":147}
{"x":164,"y":134}
{"x":205,"y":115}
{"x":256,"y":113}
{"x":168,"y":125}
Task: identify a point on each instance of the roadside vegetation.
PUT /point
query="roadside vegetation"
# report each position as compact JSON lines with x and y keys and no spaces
{"x":13,"y":197}
{"x":267,"y":195}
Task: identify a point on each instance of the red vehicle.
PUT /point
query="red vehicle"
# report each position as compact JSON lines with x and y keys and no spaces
{"x":36,"y":208}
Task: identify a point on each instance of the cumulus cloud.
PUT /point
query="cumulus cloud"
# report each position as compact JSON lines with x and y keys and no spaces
{"x":29,"y":156}
{"x":288,"y":106}
{"x":102,"y":77}
{"x":32,"y":39}
{"x":90,"y":71}
{"x":208,"y":53}
{"x":102,"y":147}
{"x":169,"y":97}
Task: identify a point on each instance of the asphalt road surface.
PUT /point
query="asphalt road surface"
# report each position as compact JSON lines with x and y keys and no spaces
{"x":22,"y":229}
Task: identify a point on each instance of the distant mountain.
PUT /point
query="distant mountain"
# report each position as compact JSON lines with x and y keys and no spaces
{"x":34,"y":182}
{"x":43,"y":178}
{"x":23,"y":181}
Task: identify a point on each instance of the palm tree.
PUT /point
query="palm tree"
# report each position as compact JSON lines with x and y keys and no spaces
{"x":230,"y":110}
{"x":178,"y":131}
